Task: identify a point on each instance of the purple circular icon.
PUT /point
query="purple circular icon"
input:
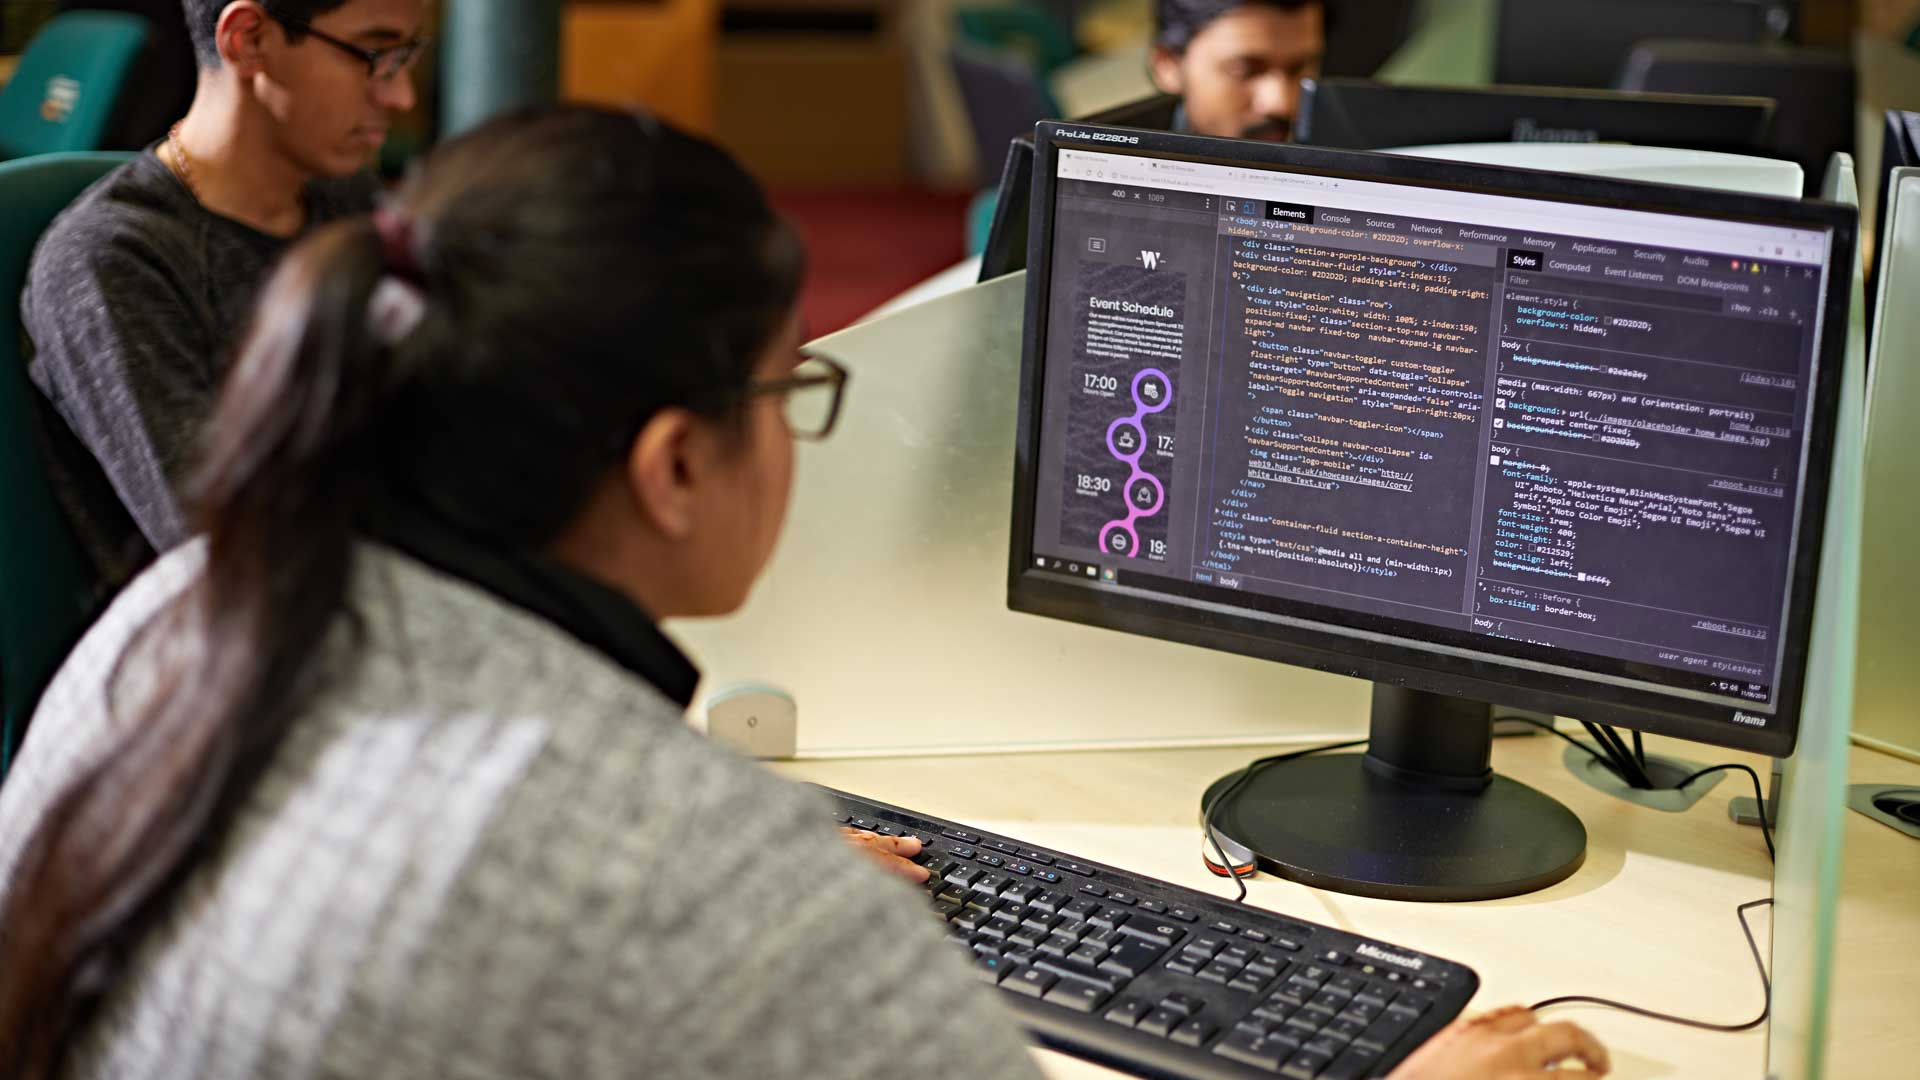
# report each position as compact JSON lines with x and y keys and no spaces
{"x":1127,"y":441}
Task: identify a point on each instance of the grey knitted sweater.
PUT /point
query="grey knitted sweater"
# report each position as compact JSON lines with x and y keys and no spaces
{"x":132,"y":303}
{"x":487,"y":851}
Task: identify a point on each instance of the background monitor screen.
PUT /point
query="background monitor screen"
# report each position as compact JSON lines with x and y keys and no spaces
{"x":1360,"y":114}
{"x":1525,"y":436}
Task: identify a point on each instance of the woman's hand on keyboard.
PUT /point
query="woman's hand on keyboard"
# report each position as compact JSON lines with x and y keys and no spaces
{"x":1506,"y":1044}
{"x":894,"y":853}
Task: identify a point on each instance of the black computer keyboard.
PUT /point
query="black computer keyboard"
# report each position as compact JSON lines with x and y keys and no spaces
{"x":1160,"y":980}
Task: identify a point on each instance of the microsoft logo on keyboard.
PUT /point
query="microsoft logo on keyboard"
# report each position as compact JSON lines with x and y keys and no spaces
{"x":1372,"y":952}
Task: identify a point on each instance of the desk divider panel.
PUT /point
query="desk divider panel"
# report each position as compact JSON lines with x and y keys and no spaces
{"x":1812,"y":811}
{"x":884,"y":611}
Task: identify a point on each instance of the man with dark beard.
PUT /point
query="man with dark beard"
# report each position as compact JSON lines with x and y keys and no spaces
{"x":1238,"y":64}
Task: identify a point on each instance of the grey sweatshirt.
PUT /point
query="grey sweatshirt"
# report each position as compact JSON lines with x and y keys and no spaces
{"x":133,"y":300}
{"x":485,"y":850}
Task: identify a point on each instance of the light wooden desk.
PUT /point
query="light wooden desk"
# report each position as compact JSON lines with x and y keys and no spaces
{"x":1649,"y":919}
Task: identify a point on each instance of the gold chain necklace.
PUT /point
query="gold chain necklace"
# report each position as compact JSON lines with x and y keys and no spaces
{"x":182,"y":164}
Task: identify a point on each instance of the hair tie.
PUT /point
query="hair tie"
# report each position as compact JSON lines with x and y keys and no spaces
{"x":397,"y":246}
{"x":399,"y":300}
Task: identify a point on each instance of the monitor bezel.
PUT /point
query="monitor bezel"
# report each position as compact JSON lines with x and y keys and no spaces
{"x":1488,"y":676}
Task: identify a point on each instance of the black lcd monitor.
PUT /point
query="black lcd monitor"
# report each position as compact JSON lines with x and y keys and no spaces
{"x":1477,"y":435}
{"x":1360,"y":114}
{"x":1584,"y":42}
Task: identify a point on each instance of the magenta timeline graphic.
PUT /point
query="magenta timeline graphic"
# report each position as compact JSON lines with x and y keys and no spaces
{"x":1142,"y":491}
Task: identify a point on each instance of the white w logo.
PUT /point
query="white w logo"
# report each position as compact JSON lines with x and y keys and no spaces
{"x":1150,"y":259}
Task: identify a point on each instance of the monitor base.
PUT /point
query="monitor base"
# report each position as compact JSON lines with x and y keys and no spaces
{"x":1420,"y":816}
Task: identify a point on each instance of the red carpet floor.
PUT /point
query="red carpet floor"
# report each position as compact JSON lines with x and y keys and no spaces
{"x":865,"y":246}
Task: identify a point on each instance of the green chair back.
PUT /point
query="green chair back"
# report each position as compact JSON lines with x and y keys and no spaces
{"x":63,"y":93}
{"x":47,"y":583}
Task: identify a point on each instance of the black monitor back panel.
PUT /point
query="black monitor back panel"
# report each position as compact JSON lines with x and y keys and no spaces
{"x":1359,"y":114}
{"x":1584,"y":42}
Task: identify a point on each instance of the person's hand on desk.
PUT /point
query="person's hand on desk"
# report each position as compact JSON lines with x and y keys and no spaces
{"x":1506,"y":1044}
{"x":894,"y":853}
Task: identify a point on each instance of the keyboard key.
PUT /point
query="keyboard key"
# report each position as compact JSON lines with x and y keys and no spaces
{"x":1080,"y":995}
{"x":1218,"y":972}
{"x":842,"y":816}
{"x":1081,"y":909}
{"x":1248,"y":1048}
{"x":1417,"y":1003}
{"x":1184,"y":1004}
{"x":964,"y":875}
{"x":1261,"y":969}
{"x":961,"y":835}
{"x":1305,"y":1065}
{"x":1193,"y":1033}
{"x":863,"y":824}
{"x":885,"y":829}
{"x":990,"y":883}
{"x":1246,"y":984}
{"x":1046,"y":900}
{"x":1226,"y":928}
{"x":1254,"y":935}
{"x":1333,"y":957}
{"x":1133,"y":956}
{"x":1356,"y":1062}
{"x":1038,"y":857}
{"x":1287,"y":943}
{"x":1182,"y":965}
{"x":961,"y":851}
{"x":1094,"y":889}
{"x":1059,"y":945}
{"x":1126,"y":899}
{"x":1000,"y":845}
{"x":1360,"y":1014}
{"x":1000,"y":927}
{"x":946,"y":909}
{"x":1076,"y":868}
{"x":991,"y":968}
{"x":1030,"y":982}
{"x":1162,"y":1021}
{"x":985,"y":859}
{"x":1344,"y":1029}
{"x":1304,"y":1024}
{"x":1377,"y":995}
{"x":1090,"y":955}
{"x":1153,"y":907}
{"x":1128,"y":1011}
{"x":1158,"y":933}
{"x":1109,"y":917}
{"x":1019,"y":892}
{"x":1352,"y":984}
{"x":1020,"y":868}
{"x":1424,"y":986}
{"x":1051,"y":877}
{"x":1183,"y":915}
{"x":1237,"y":955}
{"x":1382,"y":1033}
{"x":1207,"y":943}
{"x":1330,"y":1000}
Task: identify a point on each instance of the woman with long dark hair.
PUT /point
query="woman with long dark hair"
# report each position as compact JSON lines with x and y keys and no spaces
{"x":386,"y":774}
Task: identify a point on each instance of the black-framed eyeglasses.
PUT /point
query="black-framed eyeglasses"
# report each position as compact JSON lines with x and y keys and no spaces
{"x":810,"y":397}
{"x":381,"y":63}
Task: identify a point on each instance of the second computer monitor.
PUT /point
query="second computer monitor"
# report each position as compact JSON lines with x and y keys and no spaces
{"x":1360,"y":114}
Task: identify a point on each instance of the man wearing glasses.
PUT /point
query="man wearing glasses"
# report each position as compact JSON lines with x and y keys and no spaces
{"x":139,"y":287}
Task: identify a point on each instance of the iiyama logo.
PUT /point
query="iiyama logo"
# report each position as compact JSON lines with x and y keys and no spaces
{"x":1372,"y":952}
{"x":1100,"y":136}
{"x":1150,"y":259}
{"x":1748,"y":719}
{"x":1527,"y":129}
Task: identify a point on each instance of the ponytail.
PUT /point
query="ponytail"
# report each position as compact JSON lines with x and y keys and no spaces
{"x":290,"y":456}
{"x":544,"y":343}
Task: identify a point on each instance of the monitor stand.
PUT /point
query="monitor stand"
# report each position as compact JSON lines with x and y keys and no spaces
{"x":1420,"y":816}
